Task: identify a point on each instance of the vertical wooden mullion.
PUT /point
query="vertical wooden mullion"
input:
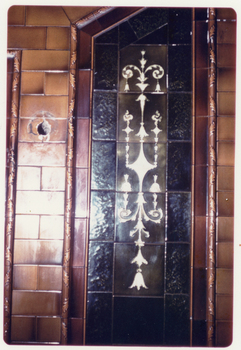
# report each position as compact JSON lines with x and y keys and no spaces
{"x":10,"y":208}
{"x":211,"y":239}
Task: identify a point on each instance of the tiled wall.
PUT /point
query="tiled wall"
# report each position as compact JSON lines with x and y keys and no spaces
{"x":226,"y":63}
{"x":226,"y":72}
{"x":117,"y":314}
{"x":43,"y":36}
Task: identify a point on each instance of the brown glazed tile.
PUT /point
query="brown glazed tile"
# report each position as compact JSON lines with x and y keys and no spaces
{"x":58,"y":38}
{"x":76,"y":331}
{"x":201,"y":87}
{"x":23,"y":329}
{"x":225,"y":178}
{"x":28,"y":178}
{"x":225,"y":153}
{"x":224,"y":281}
{"x":201,"y":44}
{"x":199,"y":294}
{"x":32,"y":83}
{"x":26,"y":38}
{"x":225,"y":228}
{"x":201,"y":134}
{"x":226,"y":13}
{"x":226,"y":79}
{"x":77,"y":292}
{"x":48,"y":329}
{"x":83,"y":94}
{"x":41,"y":154}
{"x":53,"y":178}
{"x":93,"y":28}
{"x":226,"y":103}
{"x":200,"y":190}
{"x":84,"y":54}
{"x":25,"y":277}
{"x":226,"y":55}
{"x":50,"y":278}
{"x":81,"y":193}
{"x":38,"y":252}
{"x":200,"y":242}
{"x":46,"y":15}
{"x":39,"y":202}
{"x":16,"y":15}
{"x":36,"y":303}
{"x":224,"y":333}
{"x":26,"y":226}
{"x":225,"y":203}
{"x":76,"y":12}
{"x":56,"y":83}
{"x":78,"y":242}
{"x":224,"y":307}
{"x":82,"y":143}
{"x":225,"y":255}
{"x":45,"y":60}
{"x":56,"y":105}
{"x":226,"y":32}
{"x":226,"y":128}
{"x":51,"y":227}
{"x":28,"y":129}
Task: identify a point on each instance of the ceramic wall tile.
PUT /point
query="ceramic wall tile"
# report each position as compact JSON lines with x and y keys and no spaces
{"x":56,"y":83}
{"x":32,"y":83}
{"x":50,"y":278}
{"x":51,"y":227}
{"x":48,"y":329}
{"x":45,"y":60}
{"x":98,"y":326}
{"x":16,"y":15}
{"x":28,"y":178}
{"x":138,"y":321}
{"x":23,"y":328}
{"x":58,"y":38}
{"x":105,"y":67}
{"x":46,"y":15}
{"x":77,"y":292}
{"x":36,"y":303}
{"x":25,"y":277}
{"x":26,"y":37}
{"x":26,"y":226}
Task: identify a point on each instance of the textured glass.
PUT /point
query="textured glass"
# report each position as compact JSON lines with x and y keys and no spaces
{"x":153,"y":272}
{"x":110,"y":37}
{"x":148,"y":21}
{"x":100,"y":266}
{"x":104,"y":115}
{"x":177,"y":320}
{"x":159,"y":36}
{"x":180,"y":68}
{"x":179,"y":127}
{"x":138,"y":321}
{"x":105,"y":67}
{"x":98,"y":322}
{"x":177,"y":268}
{"x":127,"y":35}
{"x":103,"y":165}
{"x":102,"y":215}
{"x":179,"y":166}
{"x":180,"y":26}
{"x":179,"y":217}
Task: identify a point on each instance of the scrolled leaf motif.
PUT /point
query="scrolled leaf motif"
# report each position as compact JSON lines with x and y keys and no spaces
{"x":65,"y":306}
{"x":67,"y":229}
{"x":211,"y":307}
{"x":14,"y":110}
{"x":212,"y":177}
{"x":66,"y":278}
{"x":212,"y":128}
{"x":211,"y":279}
{"x":72,"y":80}
{"x":212,"y":56}
{"x":74,"y":32}
{"x":73,"y":58}
{"x":66,"y":257}
{"x":8,"y":255}
{"x":212,"y":105}
{"x":15,"y":83}
{"x":211,"y":255}
{"x":71,"y":127}
{"x":16,"y":64}
{"x":64,"y":329}
{"x":212,"y":31}
{"x":212,"y":154}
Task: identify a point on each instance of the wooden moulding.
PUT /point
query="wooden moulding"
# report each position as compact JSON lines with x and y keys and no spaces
{"x":10,"y":205}
{"x":69,"y":190}
{"x":212,"y":170}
